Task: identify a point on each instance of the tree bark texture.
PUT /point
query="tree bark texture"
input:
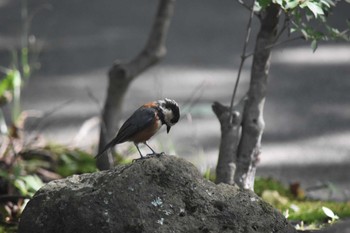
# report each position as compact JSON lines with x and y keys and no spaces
{"x":122,"y":74}
{"x":253,"y":122}
{"x":230,"y":135}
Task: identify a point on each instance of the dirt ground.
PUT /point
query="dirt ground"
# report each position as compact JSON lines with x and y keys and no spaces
{"x":307,"y":109}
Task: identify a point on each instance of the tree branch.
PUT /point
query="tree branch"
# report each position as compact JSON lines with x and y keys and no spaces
{"x":250,"y":9}
{"x":121,"y":75}
{"x":243,"y":57}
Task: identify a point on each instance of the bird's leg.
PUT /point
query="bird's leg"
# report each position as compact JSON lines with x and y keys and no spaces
{"x":138,"y":149}
{"x":153,"y":152}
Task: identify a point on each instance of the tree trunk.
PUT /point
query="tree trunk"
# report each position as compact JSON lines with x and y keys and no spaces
{"x":121,"y":75}
{"x":253,"y":122}
{"x":241,"y":138}
{"x":230,"y":135}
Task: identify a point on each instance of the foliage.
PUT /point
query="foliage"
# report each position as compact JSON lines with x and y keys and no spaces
{"x":8,"y":229}
{"x":312,"y":211}
{"x":209,"y":175}
{"x":23,"y":173}
{"x":297,"y":209}
{"x":24,"y":168}
{"x":262,"y":184}
{"x":66,"y":161}
{"x":309,"y":18}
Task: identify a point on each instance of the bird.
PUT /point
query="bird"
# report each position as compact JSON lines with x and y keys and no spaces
{"x":144,"y":123}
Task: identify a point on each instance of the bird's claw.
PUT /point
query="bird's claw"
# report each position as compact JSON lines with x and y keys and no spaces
{"x":156,"y":154}
{"x":141,"y":158}
{"x":148,"y":156}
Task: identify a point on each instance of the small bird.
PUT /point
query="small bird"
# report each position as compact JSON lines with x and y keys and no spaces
{"x":145,"y":122}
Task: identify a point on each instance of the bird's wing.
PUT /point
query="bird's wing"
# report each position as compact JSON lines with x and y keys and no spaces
{"x":139,"y":120}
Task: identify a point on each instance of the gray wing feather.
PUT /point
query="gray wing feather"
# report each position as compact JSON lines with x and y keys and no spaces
{"x":139,"y":120}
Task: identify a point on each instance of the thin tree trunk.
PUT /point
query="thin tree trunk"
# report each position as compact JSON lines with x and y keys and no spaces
{"x":253,"y":122}
{"x":121,"y":75}
{"x":230,"y":135}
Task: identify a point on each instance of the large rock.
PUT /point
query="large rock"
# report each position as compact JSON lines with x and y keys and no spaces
{"x":159,"y":194}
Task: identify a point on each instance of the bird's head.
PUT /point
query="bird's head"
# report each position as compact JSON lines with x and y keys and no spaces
{"x":170,"y":112}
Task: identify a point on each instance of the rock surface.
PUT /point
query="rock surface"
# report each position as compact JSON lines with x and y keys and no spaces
{"x":159,"y":194}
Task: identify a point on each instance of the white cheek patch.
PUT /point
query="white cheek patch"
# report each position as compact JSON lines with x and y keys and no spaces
{"x":168,"y":115}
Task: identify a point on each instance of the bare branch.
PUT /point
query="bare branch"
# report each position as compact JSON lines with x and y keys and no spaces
{"x":121,"y":74}
{"x":243,"y":57}
{"x":250,"y":9}
{"x":154,"y":49}
{"x":284,"y":27}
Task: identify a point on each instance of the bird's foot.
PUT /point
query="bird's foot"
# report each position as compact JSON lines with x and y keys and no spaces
{"x":141,"y":158}
{"x":148,"y":156}
{"x":155,"y":154}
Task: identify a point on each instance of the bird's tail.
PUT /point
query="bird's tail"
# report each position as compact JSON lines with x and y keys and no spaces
{"x":109,"y":145}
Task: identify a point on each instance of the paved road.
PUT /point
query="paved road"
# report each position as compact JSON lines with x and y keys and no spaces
{"x":307,"y":109}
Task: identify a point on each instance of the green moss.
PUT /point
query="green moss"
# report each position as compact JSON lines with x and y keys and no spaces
{"x":262,"y":184}
{"x":308,"y":211}
{"x":311,"y":211}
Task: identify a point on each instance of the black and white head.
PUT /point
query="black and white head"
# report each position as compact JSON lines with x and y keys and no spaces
{"x":170,"y":112}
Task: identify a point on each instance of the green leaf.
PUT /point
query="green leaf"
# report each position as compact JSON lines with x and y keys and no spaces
{"x":25,"y":63}
{"x":348,"y":21}
{"x":11,"y":81}
{"x":33,"y":182}
{"x":314,"y":45}
{"x":3,"y":126}
{"x":17,"y":81}
{"x":329,"y":213}
{"x":315,"y":8}
{"x":21,"y":186}
{"x":257,"y":7}
{"x":7,"y":83}
{"x":327,"y":3}
{"x":263,"y":3}
{"x":292,"y":4}
{"x":17,"y":170}
{"x":28,"y":185}
{"x":305,"y":34}
{"x":279,"y":2}
{"x":4,"y":174}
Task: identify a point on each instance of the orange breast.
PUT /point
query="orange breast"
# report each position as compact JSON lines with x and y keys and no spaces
{"x":147,"y":133}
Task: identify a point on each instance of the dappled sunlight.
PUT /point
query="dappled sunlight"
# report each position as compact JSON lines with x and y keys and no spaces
{"x":184,"y":81}
{"x":324,"y":55}
{"x":322,"y":149}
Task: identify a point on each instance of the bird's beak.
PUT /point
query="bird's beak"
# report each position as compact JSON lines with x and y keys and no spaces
{"x":168,"y":128}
